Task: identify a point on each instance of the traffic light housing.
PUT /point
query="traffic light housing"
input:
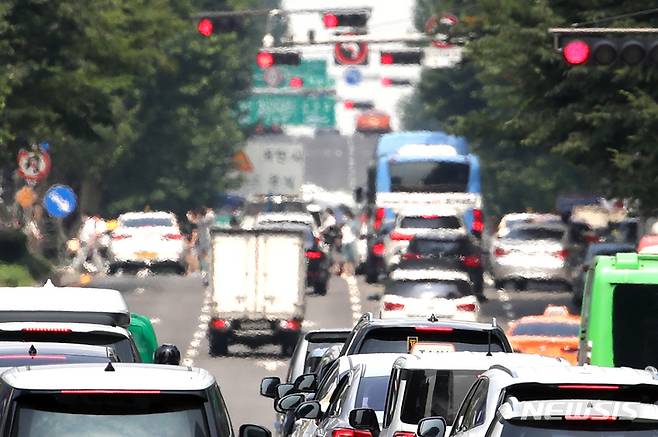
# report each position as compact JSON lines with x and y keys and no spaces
{"x":352,"y":19}
{"x":401,"y":57}
{"x":614,"y":50}
{"x":208,"y":26}
{"x":268,"y":58}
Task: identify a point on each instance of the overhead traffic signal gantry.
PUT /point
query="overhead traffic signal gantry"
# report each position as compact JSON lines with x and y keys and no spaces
{"x":267,"y":58}
{"x":353,"y":19}
{"x":393,"y":57}
{"x":208,"y":26}
{"x":607,"y":46}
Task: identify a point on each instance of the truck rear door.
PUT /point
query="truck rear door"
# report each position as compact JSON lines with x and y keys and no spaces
{"x":234,"y":271}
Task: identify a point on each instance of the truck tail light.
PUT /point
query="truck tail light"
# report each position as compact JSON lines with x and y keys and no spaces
{"x":220,"y":324}
{"x":313,"y":254}
{"x":291,"y":325}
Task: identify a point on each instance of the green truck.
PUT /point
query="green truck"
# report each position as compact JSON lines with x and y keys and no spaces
{"x":619,"y":316}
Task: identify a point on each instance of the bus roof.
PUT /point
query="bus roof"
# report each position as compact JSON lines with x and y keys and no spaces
{"x":390,"y":143}
{"x":628,"y":268}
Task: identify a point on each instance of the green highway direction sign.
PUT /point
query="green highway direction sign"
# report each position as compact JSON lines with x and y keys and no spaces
{"x":275,"y":103}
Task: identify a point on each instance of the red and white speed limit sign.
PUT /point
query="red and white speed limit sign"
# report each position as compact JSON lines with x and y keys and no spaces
{"x":33,"y":165}
{"x":441,"y":27}
{"x":351,"y":53}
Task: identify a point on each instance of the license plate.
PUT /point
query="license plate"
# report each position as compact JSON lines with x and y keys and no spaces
{"x":146,"y":255}
{"x":255,"y":324}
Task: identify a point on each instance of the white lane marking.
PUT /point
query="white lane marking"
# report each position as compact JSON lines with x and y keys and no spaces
{"x":140,"y":290}
{"x":193,"y":349}
{"x":309,"y":324}
{"x":155,"y":320}
{"x":355,"y":297}
{"x":271,"y":365}
{"x":507,"y":306}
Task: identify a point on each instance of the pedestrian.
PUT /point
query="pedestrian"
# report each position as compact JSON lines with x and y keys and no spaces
{"x":90,"y":230}
{"x":330,"y":232}
{"x":349,"y":236}
{"x":203,"y":219}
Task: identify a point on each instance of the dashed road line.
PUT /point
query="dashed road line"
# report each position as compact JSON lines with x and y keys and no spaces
{"x":355,"y":297}
{"x":507,"y":306}
{"x":271,"y":365}
{"x":197,"y":338}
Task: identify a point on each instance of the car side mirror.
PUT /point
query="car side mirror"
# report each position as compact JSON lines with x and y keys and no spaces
{"x":289,"y":403}
{"x":167,"y":354}
{"x":283,"y":389}
{"x":306,"y":383}
{"x":365,"y":419}
{"x":308,"y":410}
{"x":268,"y":386}
{"x":249,"y":430}
{"x":431,"y":427}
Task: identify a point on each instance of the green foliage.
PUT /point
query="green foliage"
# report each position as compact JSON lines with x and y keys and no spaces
{"x":542,"y":127}
{"x":15,"y":275}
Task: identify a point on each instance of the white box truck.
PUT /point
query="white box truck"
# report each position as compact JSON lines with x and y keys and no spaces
{"x":257,"y":280}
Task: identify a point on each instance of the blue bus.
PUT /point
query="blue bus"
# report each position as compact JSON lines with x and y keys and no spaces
{"x":426,"y":168}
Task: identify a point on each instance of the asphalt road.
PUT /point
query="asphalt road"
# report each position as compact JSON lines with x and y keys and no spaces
{"x":178,"y":308}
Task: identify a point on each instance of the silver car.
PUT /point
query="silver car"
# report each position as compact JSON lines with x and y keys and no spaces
{"x":531,"y":252}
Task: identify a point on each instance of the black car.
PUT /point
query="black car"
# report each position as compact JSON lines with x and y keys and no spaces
{"x":371,"y":336}
{"x":374,"y":265}
{"x":446,"y":250}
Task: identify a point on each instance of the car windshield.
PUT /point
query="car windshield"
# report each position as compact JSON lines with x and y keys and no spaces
{"x":634,"y":329}
{"x":430,"y":222}
{"x":117,"y":415}
{"x":423,"y":289}
{"x":538,"y":233}
{"x":401,"y":340}
{"x":426,"y":246}
{"x":372,"y":392}
{"x":574,"y":428}
{"x":147,"y":222}
{"x":548,"y":329}
{"x":434,"y":393}
{"x":429,"y":177}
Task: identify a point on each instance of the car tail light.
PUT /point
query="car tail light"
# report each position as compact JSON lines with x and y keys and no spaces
{"x":378,"y":249}
{"x":471,"y":261}
{"x":427,"y":217}
{"x":291,"y":325}
{"x":379,"y":218}
{"x":467,"y":307}
{"x":393,"y":306}
{"x":589,"y":417}
{"x":569,"y":349}
{"x":219,"y":324}
{"x":348,"y":432}
{"x":50,"y":330}
{"x":499,"y":251}
{"x":120,"y":236}
{"x":588,"y":387}
{"x":434,"y":329}
{"x":478,"y":221}
{"x":562,"y":254}
{"x":410,"y":256}
{"x":398,"y":236}
{"x":404,"y":434}
{"x":313,"y":254}
{"x":172,"y":236}
{"x":110,"y":392}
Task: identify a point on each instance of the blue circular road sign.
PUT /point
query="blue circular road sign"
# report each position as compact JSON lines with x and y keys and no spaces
{"x":60,"y":201}
{"x":352,"y":76}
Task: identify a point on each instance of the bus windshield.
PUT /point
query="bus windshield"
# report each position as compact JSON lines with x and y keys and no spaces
{"x":429,"y":177}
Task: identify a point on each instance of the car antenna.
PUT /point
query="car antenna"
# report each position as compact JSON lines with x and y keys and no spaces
{"x":109,"y":367}
{"x":489,"y":342}
{"x":32,"y":351}
{"x":433,"y":318}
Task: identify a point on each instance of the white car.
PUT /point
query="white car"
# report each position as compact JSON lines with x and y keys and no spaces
{"x":410,"y":223}
{"x":67,"y":315}
{"x":434,"y":384}
{"x":283,"y":218}
{"x":115,"y":399}
{"x":147,"y":239}
{"x":420,"y":293}
{"x":560,"y":400}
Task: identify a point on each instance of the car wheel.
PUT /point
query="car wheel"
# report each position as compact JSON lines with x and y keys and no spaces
{"x":320,"y":288}
{"x":217,"y":344}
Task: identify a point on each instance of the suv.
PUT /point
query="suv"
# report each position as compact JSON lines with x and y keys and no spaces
{"x":432,"y":385}
{"x":372,"y":335}
{"x":409,"y":224}
{"x":533,"y":399}
{"x":114,"y":399}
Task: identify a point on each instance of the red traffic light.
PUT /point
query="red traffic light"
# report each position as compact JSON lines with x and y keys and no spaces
{"x":205,"y":27}
{"x":387,"y":81}
{"x":576,"y":52}
{"x":330,"y":21}
{"x":386,"y":58}
{"x":348,"y":104}
{"x":265,"y":59}
{"x":296,"y":82}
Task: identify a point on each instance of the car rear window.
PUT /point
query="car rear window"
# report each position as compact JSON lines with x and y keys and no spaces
{"x":147,"y":221}
{"x":548,"y":329}
{"x":135,"y":415}
{"x":434,"y":393}
{"x":372,"y":392}
{"x":575,"y":428}
{"x":25,"y":359}
{"x":423,"y":289}
{"x":634,"y":327}
{"x":535,"y":234}
{"x":400,"y":340}
{"x":430,"y":222}
{"x":426,"y":246}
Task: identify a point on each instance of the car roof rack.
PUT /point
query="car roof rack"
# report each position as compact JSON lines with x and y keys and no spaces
{"x":366,"y":317}
{"x":502,"y":368}
{"x":652,"y":371}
